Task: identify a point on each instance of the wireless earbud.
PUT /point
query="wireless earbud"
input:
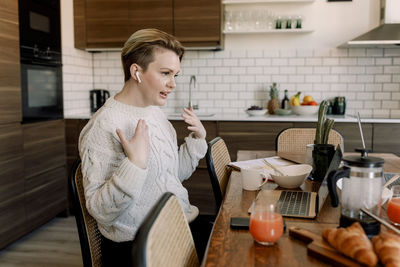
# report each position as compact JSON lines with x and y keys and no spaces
{"x":137,"y":76}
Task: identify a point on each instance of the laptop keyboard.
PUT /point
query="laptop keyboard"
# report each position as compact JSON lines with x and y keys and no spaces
{"x":294,"y":203}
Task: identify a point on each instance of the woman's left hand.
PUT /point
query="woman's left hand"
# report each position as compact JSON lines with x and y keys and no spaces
{"x":195,"y":124}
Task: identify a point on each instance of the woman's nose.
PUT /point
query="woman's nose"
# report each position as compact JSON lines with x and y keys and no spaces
{"x":171,"y":83}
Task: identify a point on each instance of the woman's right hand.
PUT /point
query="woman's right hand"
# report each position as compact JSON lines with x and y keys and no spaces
{"x":137,"y":148}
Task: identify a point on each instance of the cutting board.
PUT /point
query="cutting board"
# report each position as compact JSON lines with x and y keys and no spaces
{"x":318,"y":248}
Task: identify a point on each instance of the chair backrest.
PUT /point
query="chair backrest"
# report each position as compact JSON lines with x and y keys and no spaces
{"x":89,"y":234}
{"x":296,"y":139}
{"x":164,"y":238}
{"x":217,"y":159}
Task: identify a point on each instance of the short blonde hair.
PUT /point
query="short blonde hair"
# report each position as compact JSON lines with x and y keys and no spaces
{"x":139,"y":48}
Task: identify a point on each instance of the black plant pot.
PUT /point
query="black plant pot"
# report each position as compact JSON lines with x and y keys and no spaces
{"x":322,"y":156}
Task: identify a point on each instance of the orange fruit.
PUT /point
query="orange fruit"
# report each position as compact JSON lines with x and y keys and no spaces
{"x":308,"y":99}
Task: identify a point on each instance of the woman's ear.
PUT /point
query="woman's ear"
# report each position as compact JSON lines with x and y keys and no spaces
{"x":134,"y":70}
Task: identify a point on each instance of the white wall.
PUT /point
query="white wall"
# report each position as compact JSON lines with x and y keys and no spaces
{"x":239,"y":76}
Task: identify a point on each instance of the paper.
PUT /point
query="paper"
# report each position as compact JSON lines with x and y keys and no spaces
{"x":259,"y":163}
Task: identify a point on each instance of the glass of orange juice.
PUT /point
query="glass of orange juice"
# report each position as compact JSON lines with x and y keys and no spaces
{"x":266,"y":224}
{"x":393,"y":208}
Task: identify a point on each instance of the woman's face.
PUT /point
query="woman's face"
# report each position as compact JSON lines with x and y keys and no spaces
{"x":158,"y":80}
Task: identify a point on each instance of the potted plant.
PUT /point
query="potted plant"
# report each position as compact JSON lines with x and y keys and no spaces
{"x":323,"y":152}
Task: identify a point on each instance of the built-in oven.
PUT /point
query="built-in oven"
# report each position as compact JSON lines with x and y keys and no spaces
{"x":41,"y":65}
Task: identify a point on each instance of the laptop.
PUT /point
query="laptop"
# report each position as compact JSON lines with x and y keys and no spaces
{"x":299,"y":203}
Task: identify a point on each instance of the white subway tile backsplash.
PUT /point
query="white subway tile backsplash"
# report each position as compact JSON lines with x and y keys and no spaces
{"x":392,"y":87}
{"x":313,"y":78}
{"x":263,"y":61}
{"x":287,"y":70}
{"x":382,"y":96}
{"x":330,"y":61}
{"x":356,"y":52}
{"x":384,"y":61}
{"x":304,"y":70}
{"x":365,"y":78}
{"x":279,"y":62}
{"x":375,"y":87}
{"x":339,"y":70}
{"x":288,"y":53}
{"x":383,"y":78}
{"x":313,"y":61}
{"x":389,"y":52}
{"x":381,"y":113}
{"x":392,"y":69}
{"x":330,"y":78}
{"x":347,"y":78}
{"x":374,"y":70}
{"x":246,"y":62}
{"x":254,"y":70}
{"x":296,"y":61}
{"x":349,"y":61}
{"x":374,"y":52}
{"x":231,"y":80}
{"x":255,"y":53}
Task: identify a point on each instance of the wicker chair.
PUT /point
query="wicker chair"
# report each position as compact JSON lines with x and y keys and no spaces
{"x":296,"y":139}
{"x":164,"y":237}
{"x":217,"y":159}
{"x":89,"y":235}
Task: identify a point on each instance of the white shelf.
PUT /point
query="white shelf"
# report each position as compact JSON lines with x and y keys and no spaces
{"x":269,"y":31}
{"x":233,"y":2}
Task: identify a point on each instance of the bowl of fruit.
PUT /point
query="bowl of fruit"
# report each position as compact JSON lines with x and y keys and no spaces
{"x":308,"y":107}
{"x":256,"y":111}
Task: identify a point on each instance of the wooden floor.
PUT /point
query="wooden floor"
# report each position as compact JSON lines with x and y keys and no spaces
{"x":54,"y":244}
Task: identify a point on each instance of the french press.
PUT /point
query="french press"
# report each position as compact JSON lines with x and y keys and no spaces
{"x":361,"y":188}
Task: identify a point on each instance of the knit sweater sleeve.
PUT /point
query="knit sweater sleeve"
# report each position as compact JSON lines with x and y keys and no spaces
{"x":111,"y":182}
{"x":190,"y":152}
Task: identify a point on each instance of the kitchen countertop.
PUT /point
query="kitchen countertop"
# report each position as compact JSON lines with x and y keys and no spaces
{"x":272,"y":118}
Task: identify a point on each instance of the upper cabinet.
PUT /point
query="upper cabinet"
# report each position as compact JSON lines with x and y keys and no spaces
{"x":197,"y":23}
{"x":107,"y":24}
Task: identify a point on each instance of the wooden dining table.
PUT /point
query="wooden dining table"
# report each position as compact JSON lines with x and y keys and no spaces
{"x":228,"y":247}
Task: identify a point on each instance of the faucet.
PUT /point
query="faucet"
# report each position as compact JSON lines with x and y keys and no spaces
{"x":192,"y":81}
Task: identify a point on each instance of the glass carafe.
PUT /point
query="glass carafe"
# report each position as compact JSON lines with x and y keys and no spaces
{"x":361,"y":188}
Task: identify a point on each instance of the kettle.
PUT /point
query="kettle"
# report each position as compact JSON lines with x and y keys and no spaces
{"x":361,"y":188}
{"x":97,"y":98}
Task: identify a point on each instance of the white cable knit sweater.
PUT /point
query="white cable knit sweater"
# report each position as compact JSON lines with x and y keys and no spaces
{"x":120,"y":194}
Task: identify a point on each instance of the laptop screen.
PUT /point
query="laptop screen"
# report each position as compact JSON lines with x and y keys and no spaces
{"x":334,"y":165}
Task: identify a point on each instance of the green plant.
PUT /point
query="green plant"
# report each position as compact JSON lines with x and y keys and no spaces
{"x":324,"y":125}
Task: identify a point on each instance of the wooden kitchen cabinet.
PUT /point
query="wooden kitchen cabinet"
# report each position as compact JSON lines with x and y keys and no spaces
{"x":151,"y":14}
{"x":386,"y":138}
{"x":197,"y":22}
{"x":45,"y":175}
{"x":250,"y":135}
{"x":10,"y":85}
{"x":108,"y":24}
{"x":12,"y":211}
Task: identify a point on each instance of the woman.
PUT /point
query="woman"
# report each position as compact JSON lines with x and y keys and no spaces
{"x":129,"y":149}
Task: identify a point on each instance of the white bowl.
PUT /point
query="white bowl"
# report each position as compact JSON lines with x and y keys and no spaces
{"x":256,"y":112}
{"x":305,"y":110}
{"x":294,"y":175}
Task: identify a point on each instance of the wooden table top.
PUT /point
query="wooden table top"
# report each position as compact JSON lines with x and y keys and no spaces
{"x":236,"y":247}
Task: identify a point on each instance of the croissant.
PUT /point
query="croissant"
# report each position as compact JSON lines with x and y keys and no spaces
{"x":387,"y":246}
{"x":353,"y":242}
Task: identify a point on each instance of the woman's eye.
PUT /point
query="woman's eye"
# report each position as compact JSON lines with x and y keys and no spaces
{"x":165,"y":73}
{"x":176,"y":75}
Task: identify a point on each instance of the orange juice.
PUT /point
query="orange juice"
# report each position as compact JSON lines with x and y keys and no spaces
{"x":393,"y":210}
{"x":266,"y":227}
